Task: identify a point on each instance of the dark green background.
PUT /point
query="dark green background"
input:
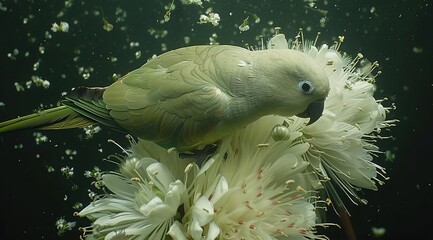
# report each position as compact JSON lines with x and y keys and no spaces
{"x":32,"y":198}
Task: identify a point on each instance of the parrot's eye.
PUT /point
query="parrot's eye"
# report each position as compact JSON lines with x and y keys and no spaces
{"x":306,"y":87}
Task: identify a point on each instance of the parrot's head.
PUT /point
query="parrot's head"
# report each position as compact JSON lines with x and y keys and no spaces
{"x":292,"y":82}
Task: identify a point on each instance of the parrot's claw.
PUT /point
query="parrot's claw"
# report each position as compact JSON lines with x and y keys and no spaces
{"x":200,"y":155}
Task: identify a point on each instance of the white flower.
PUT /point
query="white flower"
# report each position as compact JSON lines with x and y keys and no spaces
{"x":62,"y":27}
{"x":203,"y":18}
{"x":213,"y":18}
{"x":63,"y":226}
{"x":258,"y":194}
{"x":244,"y":27}
{"x":251,"y":187}
{"x":55,"y":27}
{"x":143,"y":203}
{"x":342,"y":140}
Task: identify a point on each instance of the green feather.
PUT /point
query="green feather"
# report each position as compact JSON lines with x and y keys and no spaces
{"x":60,"y":117}
{"x":81,"y":108}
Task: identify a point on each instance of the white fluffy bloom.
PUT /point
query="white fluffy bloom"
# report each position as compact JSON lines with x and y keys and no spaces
{"x":251,"y":187}
{"x":140,"y":207}
{"x":62,"y":27}
{"x":342,"y":140}
{"x":342,"y":149}
{"x":213,"y":18}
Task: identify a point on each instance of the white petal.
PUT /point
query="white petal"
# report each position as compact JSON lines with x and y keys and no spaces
{"x":119,"y":219}
{"x":100,"y":207}
{"x":195,"y":230}
{"x":146,"y":209}
{"x":160,"y":176}
{"x":174,"y":194}
{"x":176,"y":232}
{"x":278,"y":42}
{"x":335,"y":58}
{"x":203,"y":211}
{"x":220,"y":188}
{"x":142,"y":229}
{"x":213,"y":231}
{"x":322,"y":51}
{"x":313,"y":51}
{"x":119,"y":186}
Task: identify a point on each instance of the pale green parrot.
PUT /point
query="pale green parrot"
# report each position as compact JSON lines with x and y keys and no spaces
{"x":193,"y":96}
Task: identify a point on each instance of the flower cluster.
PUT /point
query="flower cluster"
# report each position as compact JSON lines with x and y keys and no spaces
{"x":197,"y":2}
{"x":343,"y":140}
{"x":63,"y":226}
{"x":261,"y":181}
{"x":62,"y":27}
{"x":251,"y":187}
{"x":213,"y":18}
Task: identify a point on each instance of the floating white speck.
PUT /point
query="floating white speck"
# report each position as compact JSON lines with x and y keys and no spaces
{"x":417,"y":50}
{"x":187,"y":39}
{"x":46,"y":84}
{"x":137,"y":54}
{"x":244,"y":27}
{"x":378,"y":231}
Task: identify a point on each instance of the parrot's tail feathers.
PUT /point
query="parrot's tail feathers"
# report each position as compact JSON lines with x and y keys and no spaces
{"x":81,"y":108}
{"x":60,"y":117}
{"x":88,"y":103}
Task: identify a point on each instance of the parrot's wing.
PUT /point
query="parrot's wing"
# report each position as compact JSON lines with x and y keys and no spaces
{"x":174,"y":106}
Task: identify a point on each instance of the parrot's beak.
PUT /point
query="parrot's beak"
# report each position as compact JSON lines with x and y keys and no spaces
{"x":313,"y":111}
